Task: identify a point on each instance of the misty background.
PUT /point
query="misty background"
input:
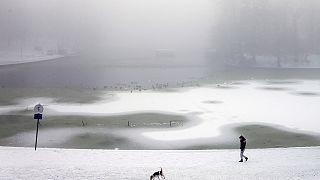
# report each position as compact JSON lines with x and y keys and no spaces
{"x":274,"y":30}
{"x":188,"y":30}
{"x":110,"y":30}
{"x":91,"y":37}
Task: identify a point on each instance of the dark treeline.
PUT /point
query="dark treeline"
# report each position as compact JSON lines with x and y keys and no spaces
{"x":281,"y":30}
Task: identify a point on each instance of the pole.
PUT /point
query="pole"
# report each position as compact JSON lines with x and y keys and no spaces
{"x":35,"y":145}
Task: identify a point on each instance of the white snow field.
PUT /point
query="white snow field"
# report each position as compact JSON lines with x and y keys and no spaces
{"x":290,"y":163}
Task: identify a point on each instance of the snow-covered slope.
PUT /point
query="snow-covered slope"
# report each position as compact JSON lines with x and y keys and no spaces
{"x":7,"y":60}
{"x":291,"y":163}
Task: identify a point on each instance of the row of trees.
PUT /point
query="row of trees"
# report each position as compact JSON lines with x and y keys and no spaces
{"x":282,"y":29}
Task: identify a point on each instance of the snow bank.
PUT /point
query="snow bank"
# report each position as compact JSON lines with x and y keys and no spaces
{"x":290,"y":163}
{"x":33,"y":58}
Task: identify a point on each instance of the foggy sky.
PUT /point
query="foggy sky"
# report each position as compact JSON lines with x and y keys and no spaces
{"x":109,"y":25}
{"x":138,"y":28}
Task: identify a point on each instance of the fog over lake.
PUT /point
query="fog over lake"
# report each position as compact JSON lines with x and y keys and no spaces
{"x":160,"y":40}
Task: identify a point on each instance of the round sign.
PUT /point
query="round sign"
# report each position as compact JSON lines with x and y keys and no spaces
{"x":38,"y":108}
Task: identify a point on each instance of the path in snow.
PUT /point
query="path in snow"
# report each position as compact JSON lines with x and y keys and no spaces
{"x":291,"y":163}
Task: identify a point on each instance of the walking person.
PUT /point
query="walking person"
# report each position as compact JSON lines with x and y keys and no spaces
{"x":243,"y":144}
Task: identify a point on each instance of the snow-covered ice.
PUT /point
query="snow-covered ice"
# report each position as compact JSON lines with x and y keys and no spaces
{"x":250,"y":102}
{"x":290,"y":163}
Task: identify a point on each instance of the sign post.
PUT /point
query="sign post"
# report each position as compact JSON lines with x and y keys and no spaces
{"x":38,"y":109}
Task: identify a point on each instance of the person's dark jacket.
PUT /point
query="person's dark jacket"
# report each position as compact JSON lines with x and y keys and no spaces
{"x":243,"y":143}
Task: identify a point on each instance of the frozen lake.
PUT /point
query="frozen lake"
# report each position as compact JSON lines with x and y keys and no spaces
{"x":250,"y":101}
{"x":291,"y":106}
{"x":272,"y":106}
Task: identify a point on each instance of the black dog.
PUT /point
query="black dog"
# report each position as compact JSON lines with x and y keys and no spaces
{"x":157,"y":174}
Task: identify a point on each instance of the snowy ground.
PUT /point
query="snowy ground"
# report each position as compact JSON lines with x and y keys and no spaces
{"x":291,"y":163}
